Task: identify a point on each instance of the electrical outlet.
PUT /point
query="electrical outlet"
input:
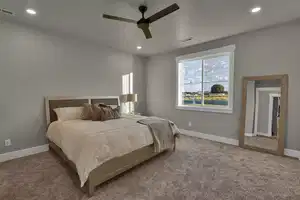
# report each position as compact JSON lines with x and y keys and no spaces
{"x":190,"y":124}
{"x":7,"y":142}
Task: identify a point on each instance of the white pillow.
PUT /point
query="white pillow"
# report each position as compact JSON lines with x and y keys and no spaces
{"x":68,"y":113}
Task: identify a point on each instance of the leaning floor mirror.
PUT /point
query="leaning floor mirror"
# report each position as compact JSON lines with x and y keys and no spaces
{"x":264,"y":113}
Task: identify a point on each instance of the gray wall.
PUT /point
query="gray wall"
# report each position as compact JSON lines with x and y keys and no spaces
{"x":139,"y":83}
{"x":34,"y":65}
{"x":273,"y":50}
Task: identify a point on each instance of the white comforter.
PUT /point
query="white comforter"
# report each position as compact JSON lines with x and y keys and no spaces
{"x":89,"y":144}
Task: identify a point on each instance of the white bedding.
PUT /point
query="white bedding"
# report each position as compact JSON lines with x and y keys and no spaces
{"x":88,"y":144}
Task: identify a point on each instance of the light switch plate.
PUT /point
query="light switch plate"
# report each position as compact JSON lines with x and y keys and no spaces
{"x":7,"y":142}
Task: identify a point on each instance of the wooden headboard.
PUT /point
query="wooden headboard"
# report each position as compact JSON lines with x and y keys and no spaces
{"x":59,"y":102}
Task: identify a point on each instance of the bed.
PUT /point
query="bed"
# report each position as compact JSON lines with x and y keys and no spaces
{"x":112,"y":166}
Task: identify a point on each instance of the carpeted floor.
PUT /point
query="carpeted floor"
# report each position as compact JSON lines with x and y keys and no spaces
{"x":199,"y":169}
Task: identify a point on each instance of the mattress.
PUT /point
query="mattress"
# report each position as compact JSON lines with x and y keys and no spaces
{"x":88,"y":144}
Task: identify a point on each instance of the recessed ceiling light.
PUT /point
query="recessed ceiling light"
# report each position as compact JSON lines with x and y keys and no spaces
{"x":31,"y":11}
{"x":139,"y":47}
{"x":256,"y":9}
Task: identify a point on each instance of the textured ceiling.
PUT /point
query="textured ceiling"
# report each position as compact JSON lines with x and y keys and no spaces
{"x":204,"y":20}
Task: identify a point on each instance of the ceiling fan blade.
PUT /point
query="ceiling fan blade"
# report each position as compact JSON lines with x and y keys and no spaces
{"x":163,"y":13}
{"x":119,"y":18}
{"x":147,"y":33}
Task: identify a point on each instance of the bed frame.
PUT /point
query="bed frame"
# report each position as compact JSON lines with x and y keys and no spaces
{"x":109,"y":169}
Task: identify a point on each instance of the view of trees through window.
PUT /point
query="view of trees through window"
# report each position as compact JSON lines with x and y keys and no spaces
{"x":207,"y":78}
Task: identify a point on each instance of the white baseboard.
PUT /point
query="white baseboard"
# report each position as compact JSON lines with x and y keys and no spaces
{"x":287,"y":152}
{"x":211,"y":137}
{"x":250,"y":134}
{"x":292,"y":153}
{"x":24,"y":152}
{"x":263,"y":134}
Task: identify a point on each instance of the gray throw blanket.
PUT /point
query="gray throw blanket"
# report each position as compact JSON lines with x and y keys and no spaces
{"x":163,"y":133}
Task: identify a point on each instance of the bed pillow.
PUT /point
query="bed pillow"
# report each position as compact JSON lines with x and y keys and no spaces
{"x":68,"y":113}
{"x":87,"y":113}
{"x":104,"y":105}
{"x":102,"y":112}
{"x":109,"y":113}
{"x":97,"y":113}
{"x":116,"y":112}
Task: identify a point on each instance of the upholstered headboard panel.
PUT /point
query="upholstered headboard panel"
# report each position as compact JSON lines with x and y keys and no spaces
{"x":112,"y":101}
{"x":59,"y":102}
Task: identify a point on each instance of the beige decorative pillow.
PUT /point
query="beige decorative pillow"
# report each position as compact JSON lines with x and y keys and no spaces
{"x":87,"y":113}
{"x":102,"y":112}
{"x":68,"y":113}
{"x":97,"y":113}
{"x":107,"y":113}
{"x":116,"y":112}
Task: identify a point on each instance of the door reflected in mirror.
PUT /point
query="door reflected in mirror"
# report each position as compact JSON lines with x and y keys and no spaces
{"x":262,"y":114}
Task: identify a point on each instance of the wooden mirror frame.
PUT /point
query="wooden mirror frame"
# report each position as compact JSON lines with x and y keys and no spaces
{"x":283,"y":113}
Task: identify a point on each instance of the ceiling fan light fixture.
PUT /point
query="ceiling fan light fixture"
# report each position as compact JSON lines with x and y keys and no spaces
{"x":139,"y":47}
{"x":143,"y":23}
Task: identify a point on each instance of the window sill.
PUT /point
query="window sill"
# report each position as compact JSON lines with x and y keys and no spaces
{"x":206,"y":109}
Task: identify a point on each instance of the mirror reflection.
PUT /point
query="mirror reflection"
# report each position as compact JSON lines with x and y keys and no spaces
{"x":262,"y":114}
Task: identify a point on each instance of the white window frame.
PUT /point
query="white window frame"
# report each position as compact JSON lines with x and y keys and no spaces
{"x":227,"y":50}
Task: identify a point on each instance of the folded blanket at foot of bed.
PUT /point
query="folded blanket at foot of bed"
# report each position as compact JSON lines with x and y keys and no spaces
{"x":163,"y":132}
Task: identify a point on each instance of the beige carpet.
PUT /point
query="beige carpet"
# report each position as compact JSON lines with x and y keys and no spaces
{"x":199,"y":169}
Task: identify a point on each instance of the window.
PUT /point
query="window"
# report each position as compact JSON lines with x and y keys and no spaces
{"x":127,"y":88}
{"x":205,"y":80}
{"x":127,"y":83}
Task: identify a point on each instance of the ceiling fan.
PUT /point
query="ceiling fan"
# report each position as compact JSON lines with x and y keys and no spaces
{"x":143,"y":23}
